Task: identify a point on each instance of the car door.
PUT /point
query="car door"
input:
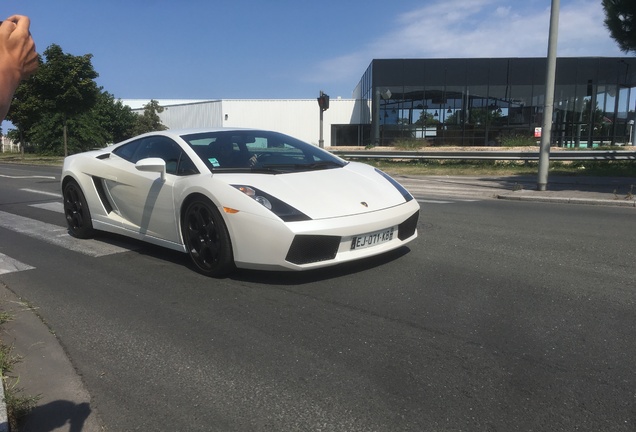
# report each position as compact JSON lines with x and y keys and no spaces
{"x":144,"y":200}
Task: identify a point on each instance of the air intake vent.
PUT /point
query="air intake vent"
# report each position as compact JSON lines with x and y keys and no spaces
{"x":407,"y":228}
{"x":99,"y":187}
{"x":307,"y":249}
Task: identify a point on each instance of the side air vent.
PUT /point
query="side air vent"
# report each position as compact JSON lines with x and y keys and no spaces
{"x":99,"y":186}
{"x":307,"y":249}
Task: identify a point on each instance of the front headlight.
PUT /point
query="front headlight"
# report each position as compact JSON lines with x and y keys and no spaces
{"x":259,"y":198}
{"x":284,"y":211}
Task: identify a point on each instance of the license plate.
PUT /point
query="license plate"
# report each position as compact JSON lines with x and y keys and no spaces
{"x":372,"y":239}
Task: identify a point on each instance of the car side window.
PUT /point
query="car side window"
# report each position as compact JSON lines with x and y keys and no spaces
{"x":177,"y":162}
{"x":127,"y":151}
{"x":185,"y":166}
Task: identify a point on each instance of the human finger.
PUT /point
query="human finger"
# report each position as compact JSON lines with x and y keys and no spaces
{"x":7,"y":26}
{"x":22,"y":22}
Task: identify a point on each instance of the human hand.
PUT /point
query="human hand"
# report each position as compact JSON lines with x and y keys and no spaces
{"x":17,"y":49}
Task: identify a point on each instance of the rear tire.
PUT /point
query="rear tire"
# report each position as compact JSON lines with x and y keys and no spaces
{"x":207,"y":239}
{"x":78,"y":216}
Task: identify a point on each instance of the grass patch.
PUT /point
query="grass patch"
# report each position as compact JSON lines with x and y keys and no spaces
{"x":517,"y":141}
{"x":410,"y":144}
{"x":438,"y":167}
{"x":18,"y":405}
{"x":31,"y":159}
{"x":505,"y":168}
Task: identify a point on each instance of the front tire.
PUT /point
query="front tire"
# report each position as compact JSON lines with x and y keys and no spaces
{"x":206,"y":239}
{"x":76,"y":211}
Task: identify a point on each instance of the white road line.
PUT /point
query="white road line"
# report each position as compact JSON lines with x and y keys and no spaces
{"x":56,"y":207}
{"x":42,"y":192}
{"x":434,"y":201}
{"x":57,"y":235}
{"x":10,"y":265}
{"x":450,"y":200}
{"x":28,"y":177}
{"x":485,"y":193}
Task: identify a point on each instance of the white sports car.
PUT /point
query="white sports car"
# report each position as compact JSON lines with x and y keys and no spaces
{"x":238,"y":198}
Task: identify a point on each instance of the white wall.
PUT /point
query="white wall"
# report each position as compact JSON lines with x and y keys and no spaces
{"x":194,"y":115}
{"x":296,"y":117}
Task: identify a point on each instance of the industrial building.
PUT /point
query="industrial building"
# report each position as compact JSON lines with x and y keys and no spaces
{"x":296,"y":117}
{"x":467,"y":102}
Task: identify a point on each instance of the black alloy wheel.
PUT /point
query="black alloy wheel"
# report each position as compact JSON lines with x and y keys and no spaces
{"x":206,"y":239}
{"x":78,"y":216}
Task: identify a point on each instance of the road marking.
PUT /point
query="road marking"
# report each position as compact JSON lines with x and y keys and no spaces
{"x":28,"y":177}
{"x":56,"y":207}
{"x":452,"y":201}
{"x":58,"y":236}
{"x":10,"y":265}
{"x":42,"y":192}
{"x":428,"y":201}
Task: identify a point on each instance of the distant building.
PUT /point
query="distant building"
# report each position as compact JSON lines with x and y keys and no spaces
{"x":478,"y":102}
{"x":297,"y":117}
{"x":468,"y":102}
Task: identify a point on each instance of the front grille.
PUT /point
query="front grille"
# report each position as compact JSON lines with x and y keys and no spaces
{"x":307,"y":249}
{"x":407,"y":228}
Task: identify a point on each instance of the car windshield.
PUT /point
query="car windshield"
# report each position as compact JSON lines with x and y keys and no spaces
{"x":259,"y":151}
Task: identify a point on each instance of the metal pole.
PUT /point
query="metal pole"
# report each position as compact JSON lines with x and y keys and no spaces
{"x":546,"y":130}
{"x":321,"y":142}
{"x":375,"y":108}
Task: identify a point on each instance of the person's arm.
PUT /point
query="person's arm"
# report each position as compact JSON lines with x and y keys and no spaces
{"x":18,"y":58}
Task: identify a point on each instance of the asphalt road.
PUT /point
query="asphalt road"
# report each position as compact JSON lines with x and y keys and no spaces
{"x":501,"y":316}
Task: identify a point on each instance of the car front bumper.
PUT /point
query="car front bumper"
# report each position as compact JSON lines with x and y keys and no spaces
{"x":275,"y":245}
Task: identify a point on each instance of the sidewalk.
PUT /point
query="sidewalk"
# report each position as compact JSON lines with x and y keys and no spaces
{"x":65,"y":404}
{"x":607,"y":191}
{"x":46,"y":371}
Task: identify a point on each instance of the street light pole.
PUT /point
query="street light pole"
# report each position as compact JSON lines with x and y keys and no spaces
{"x":546,"y":130}
{"x":323,"y":104}
{"x":321,"y":141}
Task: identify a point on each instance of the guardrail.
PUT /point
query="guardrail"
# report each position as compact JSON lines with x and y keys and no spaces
{"x":561,"y":155}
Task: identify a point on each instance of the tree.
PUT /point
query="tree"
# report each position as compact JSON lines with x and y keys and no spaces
{"x":117,"y":119}
{"x":149,"y":121}
{"x":60,"y":109}
{"x":620,"y":20}
{"x":61,"y":90}
{"x":26,"y":110}
{"x":426,"y":119}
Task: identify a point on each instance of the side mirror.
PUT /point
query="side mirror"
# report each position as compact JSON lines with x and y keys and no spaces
{"x":157,"y":165}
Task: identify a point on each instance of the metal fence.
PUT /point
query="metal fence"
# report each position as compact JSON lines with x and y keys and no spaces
{"x":582,"y":155}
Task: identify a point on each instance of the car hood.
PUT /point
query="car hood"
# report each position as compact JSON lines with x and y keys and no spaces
{"x":354,"y":189}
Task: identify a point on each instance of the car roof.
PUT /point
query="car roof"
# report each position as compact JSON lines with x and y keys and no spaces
{"x":189,"y":131}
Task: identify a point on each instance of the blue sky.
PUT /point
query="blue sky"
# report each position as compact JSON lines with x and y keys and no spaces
{"x":206,"y":49}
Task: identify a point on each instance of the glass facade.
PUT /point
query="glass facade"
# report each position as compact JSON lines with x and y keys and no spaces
{"x":485,"y":102}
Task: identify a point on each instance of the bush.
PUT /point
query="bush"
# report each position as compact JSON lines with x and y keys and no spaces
{"x":517,"y":140}
{"x":411,"y":144}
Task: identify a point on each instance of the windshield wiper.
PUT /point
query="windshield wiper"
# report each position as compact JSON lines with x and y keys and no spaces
{"x":257,"y":170}
{"x":306,"y":167}
{"x":324,"y":164}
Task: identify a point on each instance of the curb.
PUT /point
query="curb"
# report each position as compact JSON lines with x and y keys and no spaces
{"x":4,"y":418}
{"x":564,"y":200}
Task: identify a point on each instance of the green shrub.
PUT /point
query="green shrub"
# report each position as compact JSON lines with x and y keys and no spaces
{"x":517,"y":140}
{"x":410,"y":144}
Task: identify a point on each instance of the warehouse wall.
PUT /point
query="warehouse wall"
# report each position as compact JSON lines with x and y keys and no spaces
{"x":297,"y":117}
